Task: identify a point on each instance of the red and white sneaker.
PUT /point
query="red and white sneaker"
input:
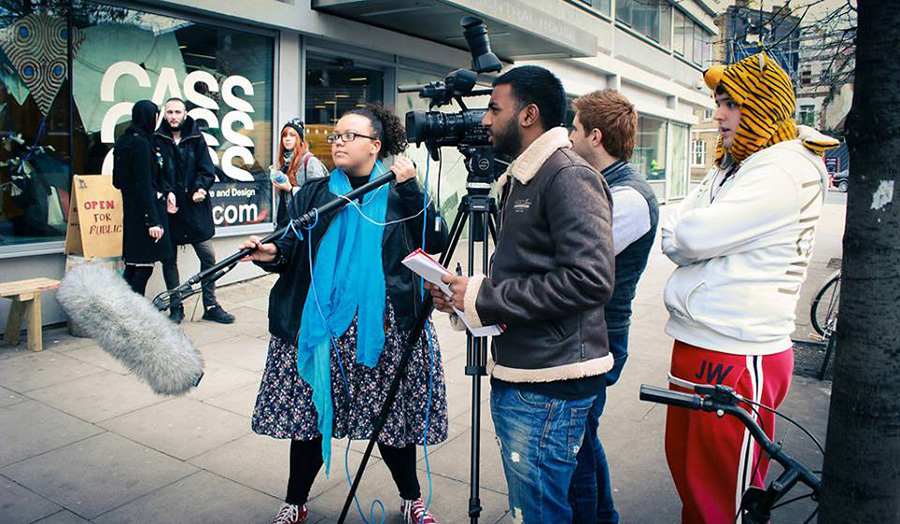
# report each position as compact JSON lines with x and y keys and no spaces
{"x":414,"y":512}
{"x":291,"y":514}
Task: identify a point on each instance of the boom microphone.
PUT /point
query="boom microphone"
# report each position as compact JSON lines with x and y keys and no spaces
{"x":130,"y":329}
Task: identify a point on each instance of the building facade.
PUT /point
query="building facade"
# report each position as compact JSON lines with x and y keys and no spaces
{"x":748,"y":29}
{"x":704,"y":137}
{"x":72,"y":69}
{"x":825,"y":85}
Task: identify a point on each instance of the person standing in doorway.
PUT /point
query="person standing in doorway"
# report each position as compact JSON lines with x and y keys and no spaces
{"x":190,"y":172}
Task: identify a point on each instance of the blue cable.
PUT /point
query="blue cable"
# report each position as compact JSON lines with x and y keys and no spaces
{"x":430,"y":341}
{"x":343,"y":373}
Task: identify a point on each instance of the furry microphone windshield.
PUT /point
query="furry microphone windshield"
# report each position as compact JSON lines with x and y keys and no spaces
{"x":128,"y":327}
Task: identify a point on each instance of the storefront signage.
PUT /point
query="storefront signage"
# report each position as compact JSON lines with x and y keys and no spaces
{"x":167,"y":86}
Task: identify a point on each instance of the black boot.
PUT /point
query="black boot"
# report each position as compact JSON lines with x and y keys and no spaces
{"x":176,"y":314}
{"x":217,"y":314}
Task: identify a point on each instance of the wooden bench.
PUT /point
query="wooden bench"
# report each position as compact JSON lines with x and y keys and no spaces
{"x":26,"y":297}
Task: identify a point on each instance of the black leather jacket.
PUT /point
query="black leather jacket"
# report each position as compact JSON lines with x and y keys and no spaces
{"x":400,"y":239}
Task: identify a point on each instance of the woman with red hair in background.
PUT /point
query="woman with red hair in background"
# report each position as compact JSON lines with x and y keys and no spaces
{"x":294,"y":164}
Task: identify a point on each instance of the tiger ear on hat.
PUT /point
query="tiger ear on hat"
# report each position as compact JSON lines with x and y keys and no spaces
{"x":713,"y":76}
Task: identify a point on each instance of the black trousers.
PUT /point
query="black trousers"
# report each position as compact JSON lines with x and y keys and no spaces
{"x":306,"y":461}
{"x":207,"y":257}
{"x":137,"y":277}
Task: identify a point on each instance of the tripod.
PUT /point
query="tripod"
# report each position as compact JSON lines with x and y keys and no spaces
{"x":479,"y":210}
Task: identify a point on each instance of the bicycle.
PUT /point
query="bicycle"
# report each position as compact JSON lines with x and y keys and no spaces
{"x":823,"y":315}
{"x":757,"y":503}
{"x":824,"y":309}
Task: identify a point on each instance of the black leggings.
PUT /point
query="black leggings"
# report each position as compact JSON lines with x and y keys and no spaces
{"x":306,"y":460}
{"x":137,"y":277}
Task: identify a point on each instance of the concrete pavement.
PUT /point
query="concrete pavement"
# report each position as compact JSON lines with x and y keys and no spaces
{"x":81,"y":440}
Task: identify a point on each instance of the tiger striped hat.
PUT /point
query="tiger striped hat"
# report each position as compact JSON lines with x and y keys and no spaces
{"x":766,"y":97}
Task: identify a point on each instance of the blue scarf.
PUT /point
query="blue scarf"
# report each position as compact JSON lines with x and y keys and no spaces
{"x":347,"y":281}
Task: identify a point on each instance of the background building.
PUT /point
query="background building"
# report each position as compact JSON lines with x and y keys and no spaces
{"x":747,"y":29}
{"x":827,"y":62}
{"x":704,"y":137}
{"x":246,"y":67}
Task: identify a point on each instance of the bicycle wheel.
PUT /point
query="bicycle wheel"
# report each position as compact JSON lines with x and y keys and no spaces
{"x":824,"y":310}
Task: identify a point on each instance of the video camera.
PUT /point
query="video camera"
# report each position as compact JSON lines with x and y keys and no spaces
{"x":462,"y":129}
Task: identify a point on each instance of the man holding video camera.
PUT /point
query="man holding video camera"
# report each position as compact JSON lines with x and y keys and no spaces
{"x":552,"y":273}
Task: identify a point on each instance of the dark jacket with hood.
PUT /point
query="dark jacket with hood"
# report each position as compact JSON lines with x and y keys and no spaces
{"x":552,"y":272}
{"x":136,"y":172}
{"x":399,"y":239}
{"x":188,"y":167}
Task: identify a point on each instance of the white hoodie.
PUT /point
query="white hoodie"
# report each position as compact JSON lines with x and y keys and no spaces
{"x":743,"y":249}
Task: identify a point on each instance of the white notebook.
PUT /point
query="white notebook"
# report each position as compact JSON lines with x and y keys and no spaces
{"x":421,"y":263}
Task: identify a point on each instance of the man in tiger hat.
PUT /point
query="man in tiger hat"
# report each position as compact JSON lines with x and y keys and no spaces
{"x":742,"y":241}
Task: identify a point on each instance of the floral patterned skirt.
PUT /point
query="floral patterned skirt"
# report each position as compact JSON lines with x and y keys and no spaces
{"x":284,"y":406}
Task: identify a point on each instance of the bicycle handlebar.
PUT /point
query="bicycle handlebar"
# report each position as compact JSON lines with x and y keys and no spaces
{"x":722,"y":399}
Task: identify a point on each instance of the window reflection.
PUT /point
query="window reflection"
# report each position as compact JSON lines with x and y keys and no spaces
{"x":334,"y":86}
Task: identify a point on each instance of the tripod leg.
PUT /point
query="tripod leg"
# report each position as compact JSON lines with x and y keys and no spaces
{"x":455,"y":232}
{"x":379,"y":421}
{"x":419,"y":328}
{"x":493,"y":220}
{"x":474,"y":347}
{"x":475,"y":366}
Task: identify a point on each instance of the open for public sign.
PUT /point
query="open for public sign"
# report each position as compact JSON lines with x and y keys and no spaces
{"x":95,"y":218}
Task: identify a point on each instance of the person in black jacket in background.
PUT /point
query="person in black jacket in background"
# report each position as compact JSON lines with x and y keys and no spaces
{"x":136,"y":172}
{"x":189,"y":170}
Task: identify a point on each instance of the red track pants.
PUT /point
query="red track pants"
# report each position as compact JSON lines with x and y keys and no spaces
{"x":714,"y":460}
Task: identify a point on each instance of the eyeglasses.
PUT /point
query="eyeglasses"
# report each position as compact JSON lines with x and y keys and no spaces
{"x":346,"y":136}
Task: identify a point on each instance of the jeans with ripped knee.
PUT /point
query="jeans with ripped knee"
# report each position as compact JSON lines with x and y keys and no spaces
{"x":539,"y":438}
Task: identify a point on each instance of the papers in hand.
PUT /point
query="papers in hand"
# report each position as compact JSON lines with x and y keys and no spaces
{"x":420,"y":263}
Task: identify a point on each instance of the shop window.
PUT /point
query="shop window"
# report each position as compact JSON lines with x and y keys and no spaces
{"x":121,"y":56}
{"x":224,"y":75}
{"x":35,"y":157}
{"x":650,"y":150}
{"x":334,"y":86}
